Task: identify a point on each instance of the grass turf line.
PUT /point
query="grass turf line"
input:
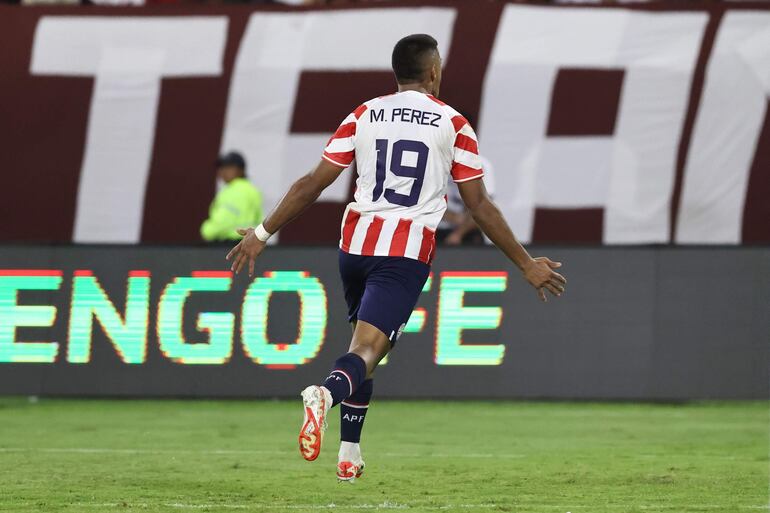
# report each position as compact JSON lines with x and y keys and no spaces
{"x":75,"y":455}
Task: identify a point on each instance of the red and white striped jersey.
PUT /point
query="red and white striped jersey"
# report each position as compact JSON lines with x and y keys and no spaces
{"x":406,"y":146}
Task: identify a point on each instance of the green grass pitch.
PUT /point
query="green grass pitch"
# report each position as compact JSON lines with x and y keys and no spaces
{"x":105,"y":456}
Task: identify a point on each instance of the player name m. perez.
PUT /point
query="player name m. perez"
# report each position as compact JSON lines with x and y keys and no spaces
{"x":406,"y":115}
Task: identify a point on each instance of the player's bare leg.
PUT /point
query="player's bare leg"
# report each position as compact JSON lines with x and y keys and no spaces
{"x":368,"y":346}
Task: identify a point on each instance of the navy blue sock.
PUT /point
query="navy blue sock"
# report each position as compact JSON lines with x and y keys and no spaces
{"x":353,"y":412}
{"x":349,"y":372}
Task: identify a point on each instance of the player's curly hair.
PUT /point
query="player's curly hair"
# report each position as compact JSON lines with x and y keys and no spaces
{"x":409,"y":56}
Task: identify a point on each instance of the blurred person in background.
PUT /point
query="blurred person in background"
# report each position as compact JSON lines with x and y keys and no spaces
{"x":238,"y":203}
{"x":457,"y":226}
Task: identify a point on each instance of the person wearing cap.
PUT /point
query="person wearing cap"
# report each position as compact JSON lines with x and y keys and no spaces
{"x":238,"y":204}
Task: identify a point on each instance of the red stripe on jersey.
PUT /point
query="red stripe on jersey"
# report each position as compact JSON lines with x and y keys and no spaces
{"x":372,"y":235}
{"x":351,"y":220}
{"x":341,"y":159}
{"x":466,"y":143}
{"x":360,"y":111}
{"x":459,"y":122}
{"x":427,"y":245}
{"x":346,"y":130}
{"x":463,"y":172}
{"x":400,"y":238}
{"x":435,"y":99}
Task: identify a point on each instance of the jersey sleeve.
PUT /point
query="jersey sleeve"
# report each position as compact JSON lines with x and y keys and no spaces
{"x":466,"y":163}
{"x":341,"y":148}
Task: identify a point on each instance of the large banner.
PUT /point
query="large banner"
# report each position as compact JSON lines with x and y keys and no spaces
{"x":617,"y":125}
{"x":169,"y":321}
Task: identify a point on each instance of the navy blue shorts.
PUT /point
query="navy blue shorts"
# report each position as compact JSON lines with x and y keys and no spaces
{"x":382,"y":290}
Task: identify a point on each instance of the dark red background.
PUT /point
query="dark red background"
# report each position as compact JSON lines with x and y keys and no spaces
{"x":43,"y":126}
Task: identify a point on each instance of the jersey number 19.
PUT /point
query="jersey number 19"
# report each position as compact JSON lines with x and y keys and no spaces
{"x":416,"y":172}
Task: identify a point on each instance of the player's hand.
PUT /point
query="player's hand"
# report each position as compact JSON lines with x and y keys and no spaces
{"x":539,"y":272}
{"x":246,"y":251}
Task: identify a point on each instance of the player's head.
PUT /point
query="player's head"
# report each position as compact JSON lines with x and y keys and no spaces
{"x":416,"y":61}
{"x":230,"y":166}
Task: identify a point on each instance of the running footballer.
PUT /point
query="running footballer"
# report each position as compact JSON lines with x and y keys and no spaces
{"x":406,"y":145}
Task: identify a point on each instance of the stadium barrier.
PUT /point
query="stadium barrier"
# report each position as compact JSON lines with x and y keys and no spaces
{"x":644,"y":323}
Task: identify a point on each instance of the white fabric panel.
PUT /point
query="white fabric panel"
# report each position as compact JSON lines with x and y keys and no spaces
{"x":467,"y":158}
{"x":359,"y":235}
{"x":726,"y":132}
{"x":386,"y":235}
{"x":584,"y":183}
{"x":110,"y":201}
{"x":341,"y":145}
{"x":74,"y":45}
{"x":302,"y":153}
{"x":277,"y":47}
{"x":129,"y":57}
{"x":637,"y":164}
{"x":568,"y":37}
{"x":414,"y":242}
{"x":661,"y":52}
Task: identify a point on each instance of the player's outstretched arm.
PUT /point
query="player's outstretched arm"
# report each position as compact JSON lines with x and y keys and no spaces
{"x":300,"y":196}
{"x":539,"y":272}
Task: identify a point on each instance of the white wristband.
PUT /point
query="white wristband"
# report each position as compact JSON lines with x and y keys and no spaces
{"x":261,"y":233}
